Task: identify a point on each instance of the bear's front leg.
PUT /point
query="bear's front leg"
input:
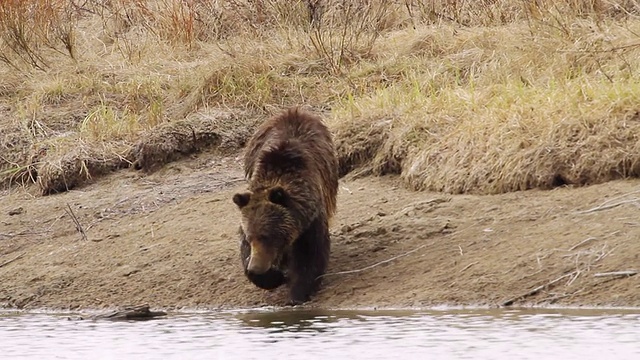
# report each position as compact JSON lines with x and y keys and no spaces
{"x":309,"y":259}
{"x":301,"y":290}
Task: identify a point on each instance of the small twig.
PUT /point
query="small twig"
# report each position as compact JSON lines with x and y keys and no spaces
{"x":94,"y":222}
{"x":616,"y":273}
{"x":620,"y":197}
{"x":603,"y":254}
{"x":121,"y":201}
{"x":610,"y":206}
{"x":24,"y":233}
{"x":11,"y":260}
{"x":346,"y":189}
{"x":76,"y":222}
{"x":373,"y":265}
{"x":581,"y":243}
{"x":536,"y":290}
{"x":146,"y":248}
{"x":529,"y":275}
{"x":468,"y":266}
{"x":55,"y":221}
{"x":577,"y":274}
{"x":554,"y":298}
{"x":604,"y":205}
{"x":233,"y":181}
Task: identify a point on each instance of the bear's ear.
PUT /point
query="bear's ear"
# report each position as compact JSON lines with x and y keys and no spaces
{"x":241,"y":199}
{"x":278,"y":195}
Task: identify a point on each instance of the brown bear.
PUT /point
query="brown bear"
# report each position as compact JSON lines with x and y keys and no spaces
{"x":291,"y":166}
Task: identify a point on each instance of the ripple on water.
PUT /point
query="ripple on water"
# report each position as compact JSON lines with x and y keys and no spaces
{"x":326,"y":334}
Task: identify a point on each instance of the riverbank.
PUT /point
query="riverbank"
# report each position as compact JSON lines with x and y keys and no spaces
{"x":169,"y":240}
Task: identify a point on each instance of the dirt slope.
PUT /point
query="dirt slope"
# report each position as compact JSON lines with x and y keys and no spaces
{"x":169,"y":239}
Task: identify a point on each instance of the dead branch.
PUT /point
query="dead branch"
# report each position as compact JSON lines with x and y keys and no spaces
{"x":607,"y":204}
{"x":373,"y":265}
{"x":616,"y":273}
{"x":141,"y":312}
{"x":11,"y":260}
{"x":76,"y":222}
{"x":536,"y":290}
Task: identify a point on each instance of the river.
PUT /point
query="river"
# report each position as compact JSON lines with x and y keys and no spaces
{"x":329,"y":335}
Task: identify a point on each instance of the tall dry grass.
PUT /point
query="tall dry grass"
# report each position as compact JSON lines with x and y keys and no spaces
{"x":28,"y":28}
{"x":457,"y":96}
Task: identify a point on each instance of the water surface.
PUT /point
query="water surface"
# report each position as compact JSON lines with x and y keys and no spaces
{"x":329,"y":334}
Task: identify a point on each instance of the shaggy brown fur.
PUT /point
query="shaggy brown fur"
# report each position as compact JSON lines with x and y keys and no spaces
{"x":292,"y":170}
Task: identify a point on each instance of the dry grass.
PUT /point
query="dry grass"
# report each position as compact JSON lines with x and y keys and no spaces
{"x":457,"y":96}
{"x":170,"y":141}
{"x":484,"y":113}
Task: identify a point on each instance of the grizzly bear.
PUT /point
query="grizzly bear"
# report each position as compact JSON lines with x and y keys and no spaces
{"x":291,"y":166}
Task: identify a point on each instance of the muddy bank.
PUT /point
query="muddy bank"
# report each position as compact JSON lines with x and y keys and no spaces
{"x":169,"y":239}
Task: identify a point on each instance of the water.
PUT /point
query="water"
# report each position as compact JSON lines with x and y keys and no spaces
{"x":329,"y":335}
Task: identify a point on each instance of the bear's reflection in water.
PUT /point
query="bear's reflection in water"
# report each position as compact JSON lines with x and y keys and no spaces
{"x":317,"y":320}
{"x":304,"y":320}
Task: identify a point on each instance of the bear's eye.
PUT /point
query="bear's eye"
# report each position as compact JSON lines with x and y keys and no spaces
{"x":278,"y":196}
{"x":241,"y":199}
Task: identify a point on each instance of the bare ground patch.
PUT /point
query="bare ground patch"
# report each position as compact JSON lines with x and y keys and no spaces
{"x":170,"y":240}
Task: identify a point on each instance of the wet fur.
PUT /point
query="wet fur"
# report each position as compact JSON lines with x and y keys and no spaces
{"x":292,"y":170}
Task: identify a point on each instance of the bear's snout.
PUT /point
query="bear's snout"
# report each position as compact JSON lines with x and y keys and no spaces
{"x":259,"y":260}
{"x":257,"y":267}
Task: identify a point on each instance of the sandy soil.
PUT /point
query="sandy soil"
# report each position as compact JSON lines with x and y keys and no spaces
{"x":169,"y":239}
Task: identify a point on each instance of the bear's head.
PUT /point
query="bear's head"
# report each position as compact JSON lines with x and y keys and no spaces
{"x":268,"y":224}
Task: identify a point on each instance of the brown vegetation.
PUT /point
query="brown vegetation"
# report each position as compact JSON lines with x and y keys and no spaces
{"x":482,"y":97}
